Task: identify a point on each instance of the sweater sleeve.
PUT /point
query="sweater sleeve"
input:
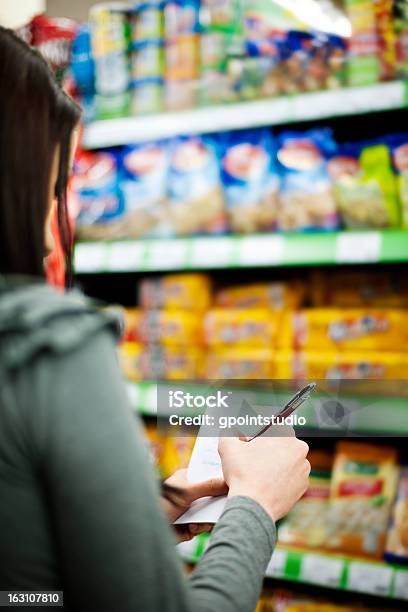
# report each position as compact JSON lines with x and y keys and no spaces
{"x":114,"y":547}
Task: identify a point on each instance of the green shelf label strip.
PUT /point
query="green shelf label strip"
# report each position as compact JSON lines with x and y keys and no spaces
{"x":327,"y":570}
{"x":260,"y":250}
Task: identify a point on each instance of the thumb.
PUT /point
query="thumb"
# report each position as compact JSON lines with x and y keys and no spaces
{"x":213,"y":487}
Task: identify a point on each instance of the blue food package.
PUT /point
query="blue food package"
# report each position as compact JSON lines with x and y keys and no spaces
{"x":306,"y":199}
{"x":196,"y":203}
{"x":100,"y":203}
{"x":143,"y":184}
{"x":250,"y":180}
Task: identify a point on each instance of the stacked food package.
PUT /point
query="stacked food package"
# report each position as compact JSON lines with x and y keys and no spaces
{"x":335,"y":326}
{"x":177,"y":54}
{"x":242,"y":182}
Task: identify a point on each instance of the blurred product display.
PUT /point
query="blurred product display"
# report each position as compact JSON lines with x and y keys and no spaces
{"x":237,"y":232}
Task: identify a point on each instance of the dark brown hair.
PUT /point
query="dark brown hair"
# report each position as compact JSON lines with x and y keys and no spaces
{"x":36,"y":116}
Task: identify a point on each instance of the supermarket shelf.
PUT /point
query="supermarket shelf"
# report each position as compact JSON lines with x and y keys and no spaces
{"x":258,"y":250}
{"x":286,"y":109}
{"x":323,"y":569}
{"x":363,"y":414}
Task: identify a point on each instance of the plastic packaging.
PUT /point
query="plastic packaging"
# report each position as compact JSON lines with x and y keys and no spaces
{"x":365,"y":187}
{"x":176,"y":291}
{"x":250,"y":181}
{"x":240,"y":327}
{"x":196,"y":202}
{"x":143,"y":184}
{"x":275,"y":296}
{"x":363,"y":487}
{"x":396,"y":548}
{"x":306,"y":200}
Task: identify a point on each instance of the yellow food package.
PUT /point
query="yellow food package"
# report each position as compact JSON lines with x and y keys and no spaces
{"x":274,"y":296}
{"x":363,"y":487}
{"x":352,"y":329}
{"x":176,"y":453}
{"x":253,"y":327}
{"x":354,"y":289}
{"x":349,"y":365}
{"x":177,"y":291}
{"x":130,"y":359}
{"x":170,"y":327}
{"x":172,"y":363}
{"x":132,"y":318}
{"x":306,"y":523}
{"x":239,"y":363}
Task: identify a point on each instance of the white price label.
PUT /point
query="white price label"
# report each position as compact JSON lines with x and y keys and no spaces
{"x":358,"y":247}
{"x":212,"y":252}
{"x":277,"y":564}
{"x":90,"y":257}
{"x":150,"y":400}
{"x":133,"y":391}
{"x":261,"y":250}
{"x":167,"y":255}
{"x":125,"y":256}
{"x":401,"y":584}
{"x":369,"y":578}
{"x":321,"y":570}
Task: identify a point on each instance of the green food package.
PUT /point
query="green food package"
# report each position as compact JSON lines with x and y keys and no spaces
{"x":365,"y":188}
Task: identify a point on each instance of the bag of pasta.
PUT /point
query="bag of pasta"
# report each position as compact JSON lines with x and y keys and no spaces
{"x":250,"y":181}
{"x":363,"y":488}
{"x":365,"y":187}
{"x":306,"y":200}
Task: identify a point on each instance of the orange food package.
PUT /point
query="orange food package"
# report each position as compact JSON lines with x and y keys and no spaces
{"x":363,"y":487}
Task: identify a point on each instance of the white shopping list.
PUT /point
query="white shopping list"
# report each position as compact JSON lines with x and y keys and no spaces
{"x":205,"y":463}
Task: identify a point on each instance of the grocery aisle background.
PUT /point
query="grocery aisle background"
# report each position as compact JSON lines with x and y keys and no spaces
{"x":241,"y":195}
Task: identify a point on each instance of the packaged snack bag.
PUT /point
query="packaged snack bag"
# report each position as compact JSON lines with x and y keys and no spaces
{"x":353,"y":329}
{"x":176,"y":292}
{"x":143,"y":185}
{"x":172,"y":363}
{"x":396,"y":548}
{"x":365,"y":187}
{"x":359,"y":289}
{"x":196,"y":201}
{"x":250,"y":181}
{"x":147,"y":22}
{"x":350,"y":365}
{"x":170,"y":328}
{"x":235,"y":327}
{"x":383,"y":10}
{"x":363,"y":62}
{"x":239,"y":363}
{"x":306,"y":523}
{"x":399,"y":151}
{"x":401,"y":32}
{"x":100,"y":203}
{"x":147,"y":95}
{"x":306,"y":198}
{"x":148,"y":59}
{"x":130,"y":358}
{"x":363,"y":487}
{"x":181,"y":17}
{"x":275,"y":296}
